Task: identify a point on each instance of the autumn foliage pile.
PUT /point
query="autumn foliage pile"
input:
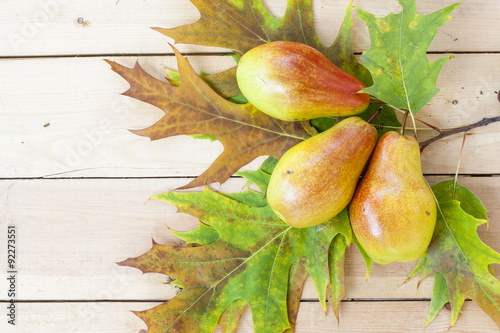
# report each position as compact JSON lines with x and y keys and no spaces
{"x":242,"y":254}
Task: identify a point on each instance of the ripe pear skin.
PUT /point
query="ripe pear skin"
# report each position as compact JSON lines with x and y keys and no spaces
{"x":393,"y":212}
{"x":315,"y":180}
{"x":293,"y":81}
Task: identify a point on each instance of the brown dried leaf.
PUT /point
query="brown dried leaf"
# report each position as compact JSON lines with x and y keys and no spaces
{"x":298,"y":276}
{"x":194,"y":108}
{"x":242,"y":25}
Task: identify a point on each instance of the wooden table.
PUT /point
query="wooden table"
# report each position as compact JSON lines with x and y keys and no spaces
{"x":75,"y":183}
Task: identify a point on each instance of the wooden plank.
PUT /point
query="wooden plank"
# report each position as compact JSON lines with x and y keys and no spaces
{"x":354,"y":317}
{"x":70,"y":234}
{"x":70,"y":118}
{"x":64,"y":117}
{"x":51,"y":27}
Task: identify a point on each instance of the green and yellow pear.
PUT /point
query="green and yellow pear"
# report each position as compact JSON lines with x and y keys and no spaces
{"x":293,"y":81}
{"x":315,"y":180}
{"x":393,"y":212}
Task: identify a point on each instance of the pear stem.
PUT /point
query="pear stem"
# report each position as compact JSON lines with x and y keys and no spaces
{"x":403,"y":123}
{"x":466,"y":128}
{"x":437,"y":129}
{"x":374,"y":115}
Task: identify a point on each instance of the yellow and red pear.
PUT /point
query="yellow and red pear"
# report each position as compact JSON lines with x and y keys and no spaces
{"x":316,"y":179}
{"x":393,"y":212}
{"x":294,"y":81}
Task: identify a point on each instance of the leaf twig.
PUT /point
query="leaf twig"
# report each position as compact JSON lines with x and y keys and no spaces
{"x":443,"y":134}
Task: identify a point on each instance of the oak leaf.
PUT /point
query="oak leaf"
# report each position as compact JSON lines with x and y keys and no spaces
{"x":242,"y":25}
{"x":397,"y":59}
{"x":256,"y":258}
{"x":195,"y":108}
{"x":457,"y":257}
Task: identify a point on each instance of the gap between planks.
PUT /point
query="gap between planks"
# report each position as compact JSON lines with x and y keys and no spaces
{"x":303,"y":300}
{"x":51,"y":177}
{"x":194,"y":54}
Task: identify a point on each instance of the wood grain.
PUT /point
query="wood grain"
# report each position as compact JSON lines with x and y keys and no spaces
{"x":71,"y":232}
{"x":116,"y":317}
{"x":53,"y":28}
{"x":62,"y":117}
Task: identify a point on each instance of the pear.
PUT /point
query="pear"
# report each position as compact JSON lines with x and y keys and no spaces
{"x":293,"y":81}
{"x":393,"y":212}
{"x":315,"y":180}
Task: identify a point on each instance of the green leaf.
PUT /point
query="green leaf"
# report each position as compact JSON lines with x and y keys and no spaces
{"x":446,"y":191}
{"x":203,"y":235}
{"x":366,"y":258}
{"x":397,"y":59}
{"x":261,"y":179}
{"x":252,"y":259}
{"x":238,"y":99}
{"x":337,"y":275}
{"x":457,"y":257}
{"x":250,"y":197}
{"x":231,"y":317}
{"x":341,"y":52}
{"x":440,"y":296}
{"x":262,"y":176}
{"x":324,"y":123}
